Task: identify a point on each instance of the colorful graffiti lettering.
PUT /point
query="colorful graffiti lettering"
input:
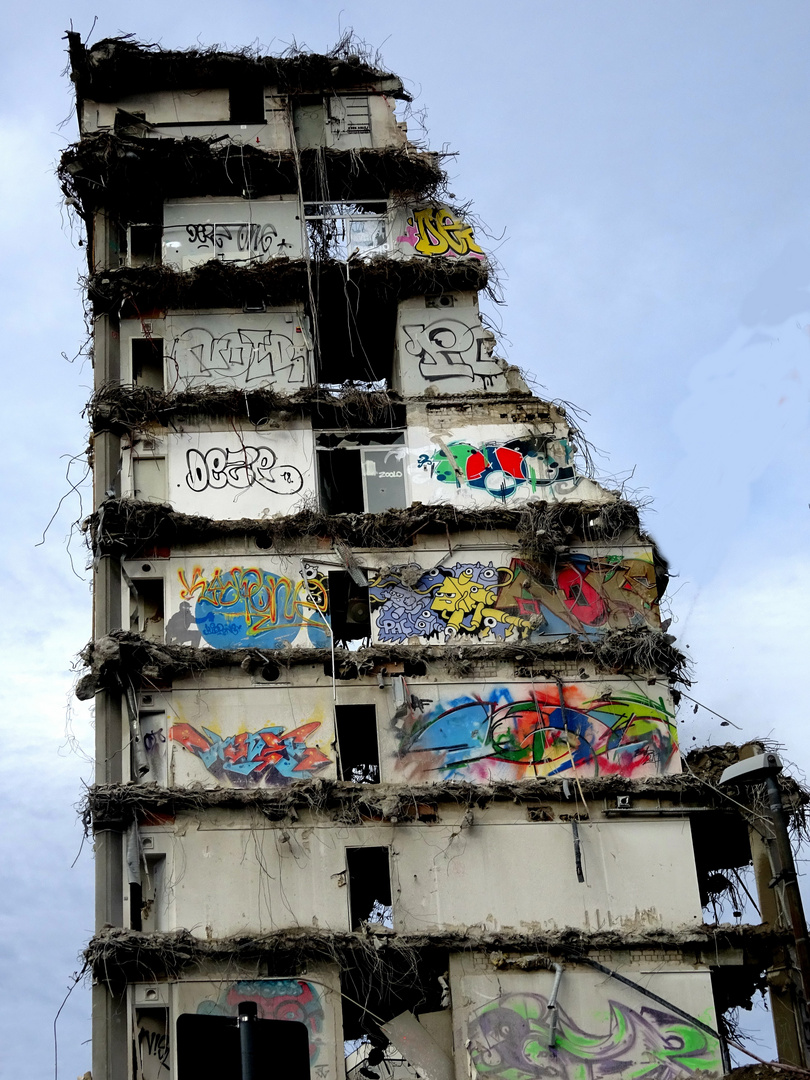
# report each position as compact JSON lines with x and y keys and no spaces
{"x":435,"y":230}
{"x":494,"y":603}
{"x":509,"y":1039}
{"x":242,"y":468}
{"x":501,"y":469}
{"x":448,"y":600}
{"x":270,"y":756}
{"x":584,"y":593}
{"x":276,"y":999}
{"x":250,"y":606}
{"x":531,"y":732}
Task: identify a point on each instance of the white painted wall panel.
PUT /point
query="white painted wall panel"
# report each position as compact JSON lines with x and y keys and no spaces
{"x":603,"y":1027}
{"x":234,"y":230}
{"x":443,"y":877}
{"x":251,"y":474}
{"x":249,"y":350}
{"x":445,"y":348}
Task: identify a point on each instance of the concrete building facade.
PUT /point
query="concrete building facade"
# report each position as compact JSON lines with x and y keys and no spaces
{"x":387,"y":740}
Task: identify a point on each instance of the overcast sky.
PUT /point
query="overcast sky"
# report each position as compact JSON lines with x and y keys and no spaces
{"x":647,"y":166}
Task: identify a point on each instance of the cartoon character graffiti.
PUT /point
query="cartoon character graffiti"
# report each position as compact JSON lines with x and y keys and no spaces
{"x":446,"y":601}
{"x":509,"y":1039}
{"x":250,"y":606}
{"x":271,"y":755}
{"x":276,"y":999}
{"x":435,"y":230}
{"x":535,"y":732}
{"x":581,"y":593}
{"x":501,"y":469}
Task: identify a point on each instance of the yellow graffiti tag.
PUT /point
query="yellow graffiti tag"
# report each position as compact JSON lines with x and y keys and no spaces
{"x":440,"y":231}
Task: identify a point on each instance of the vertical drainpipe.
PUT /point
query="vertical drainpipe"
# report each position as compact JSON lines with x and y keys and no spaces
{"x":552,"y":1007}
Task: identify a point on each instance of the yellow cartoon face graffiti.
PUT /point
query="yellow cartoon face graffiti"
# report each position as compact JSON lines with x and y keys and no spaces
{"x":458,"y":597}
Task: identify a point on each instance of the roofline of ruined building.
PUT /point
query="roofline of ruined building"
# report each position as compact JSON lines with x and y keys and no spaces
{"x":113,"y":172}
{"x":217,"y":284}
{"x":119,"y":66}
{"x":116,"y":955}
{"x":129,"y":527}
{"x":123,"y":655}
{"x":125,"y":410}
{"x":118,"y":805}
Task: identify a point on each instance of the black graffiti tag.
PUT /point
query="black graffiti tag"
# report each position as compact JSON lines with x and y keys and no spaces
{"x":451,"y":350}
{"x":249,"y":354}
{"x":242,"y":468}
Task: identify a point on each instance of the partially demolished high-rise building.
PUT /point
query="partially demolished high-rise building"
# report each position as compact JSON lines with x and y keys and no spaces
{"x":386,"y":732}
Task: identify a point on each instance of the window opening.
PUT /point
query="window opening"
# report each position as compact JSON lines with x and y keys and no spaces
{"x":144,"y":245}
{"x":363,"y":472}
{"x":341,"y":481}
{"x":358,"y":749}
{"x":209,"y":1047}
{"x":146,"y":608}
{"x":153,"y":894}
{"x":348,"y":608}
{"x":147,"y":362}
{"x":246,"y":103}
{"x":369,"y":873}
{"x":344,"y":230}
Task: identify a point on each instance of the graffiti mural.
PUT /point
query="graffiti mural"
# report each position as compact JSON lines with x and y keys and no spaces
{"x":515,"y":733}
{"x":445,"y":601}
{"x":509,"y":1039}
{"x":240,"y":469}
{"x":270,"y":756}
{"x":276,"y":999}
{"x":451,"y":349}
{"x":243,"y":354}
{"x":435,"y":230}
{"x":501,"y":469}
{"x":582,"y":593}
{"x":249,"y":606}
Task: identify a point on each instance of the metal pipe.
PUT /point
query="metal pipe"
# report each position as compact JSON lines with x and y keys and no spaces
{"x":552,"y":1007}
{"x":724,"y":1054}
{"x":246,"y":1022}
{"x":140,"y":760}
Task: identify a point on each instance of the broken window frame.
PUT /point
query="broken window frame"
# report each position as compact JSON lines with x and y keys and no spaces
{"x":362,"y":716}
{"x":328,"y":227}
{"x":360,"y":874}
{"x":358,"y":594}
{"x":389,"y":440}
{"x":152,"y":349}
{"x":143,"y":227}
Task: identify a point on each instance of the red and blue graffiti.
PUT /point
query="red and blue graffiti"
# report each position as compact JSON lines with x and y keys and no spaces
{"x":276,"y":999}
{"x":270,"y":756}
{"x":537,"y":733}
{"x":501,"y":468}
